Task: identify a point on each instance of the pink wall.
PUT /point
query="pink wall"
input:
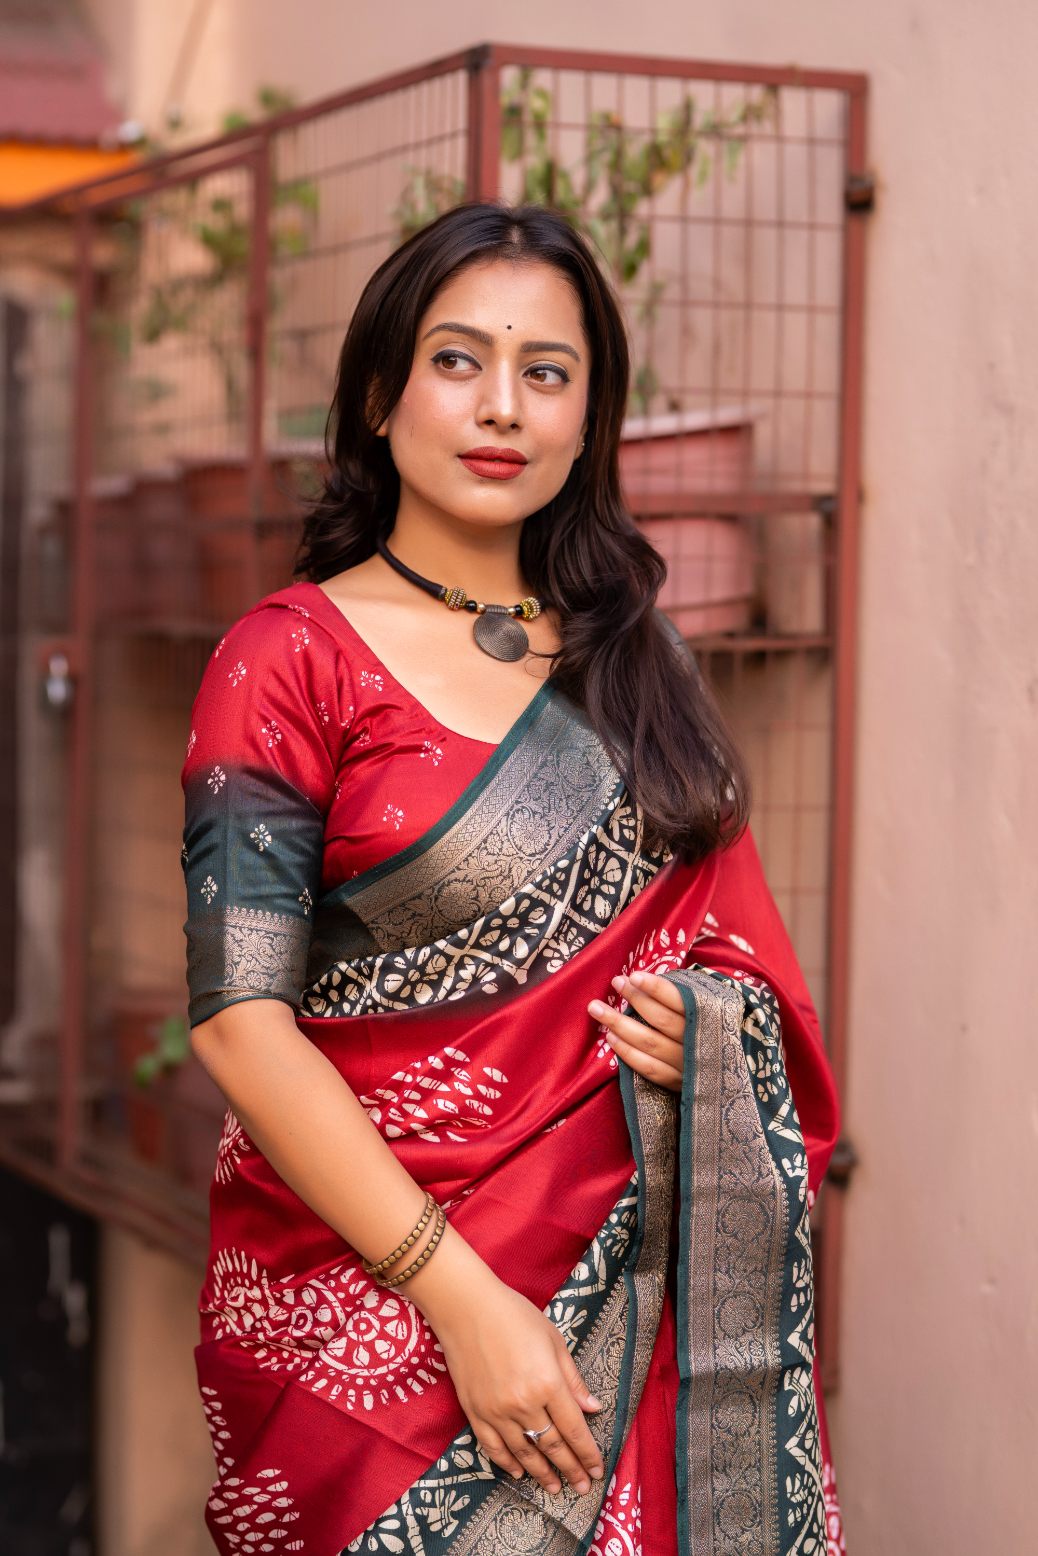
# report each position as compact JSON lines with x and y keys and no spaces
{"x":935,"y":1424}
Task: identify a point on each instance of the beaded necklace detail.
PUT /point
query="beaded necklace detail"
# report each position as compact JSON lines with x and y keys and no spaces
{"x":495,"y":628}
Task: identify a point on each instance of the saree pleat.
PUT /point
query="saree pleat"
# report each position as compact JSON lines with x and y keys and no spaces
{"x":665,"y":1235}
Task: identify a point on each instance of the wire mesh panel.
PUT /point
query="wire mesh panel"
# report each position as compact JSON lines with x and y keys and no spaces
{"x":213,"y":290}
{"x":351,"y":185}
{"x":717,"y":208}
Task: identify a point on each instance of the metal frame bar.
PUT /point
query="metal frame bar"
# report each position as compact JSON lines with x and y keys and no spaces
{"x":71,"y":1038}
{"x":844,"y":616}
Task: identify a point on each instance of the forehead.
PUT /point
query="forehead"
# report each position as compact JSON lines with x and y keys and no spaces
{"x":500,"y":292}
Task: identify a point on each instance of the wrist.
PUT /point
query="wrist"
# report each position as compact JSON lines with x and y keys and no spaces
{"x":451,"y":1280}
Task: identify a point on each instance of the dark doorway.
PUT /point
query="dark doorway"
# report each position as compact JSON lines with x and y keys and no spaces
{"x":48,"y":1255}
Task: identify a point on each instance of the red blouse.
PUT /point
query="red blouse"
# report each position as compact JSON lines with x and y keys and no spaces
{"x":307,"y":763}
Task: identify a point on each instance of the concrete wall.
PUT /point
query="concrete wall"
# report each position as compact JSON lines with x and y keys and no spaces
{"x":153,"y":1449}
{"x":935,"y":1422}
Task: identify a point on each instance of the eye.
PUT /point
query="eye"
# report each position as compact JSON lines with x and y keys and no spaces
{"x":549,"y":367}
{"x":453,"y":356}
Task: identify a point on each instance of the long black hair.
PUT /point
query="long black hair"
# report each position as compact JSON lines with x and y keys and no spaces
{"x":618,"y":658}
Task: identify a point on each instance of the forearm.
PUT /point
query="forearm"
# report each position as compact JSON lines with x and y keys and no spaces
{"x":309,"y":1124}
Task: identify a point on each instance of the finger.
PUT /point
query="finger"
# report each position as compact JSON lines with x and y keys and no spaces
{"x":663,"y":989}
{"x":640,"y":1035}
{"x":571,"y":1419}
{"x":655,"y":1003}
{"x":657,"y":1070}
{"x":529,"y":1454}
{"x":586,"y":1400}
{"x":562,"y":1460}
{"x":492,"y":1444}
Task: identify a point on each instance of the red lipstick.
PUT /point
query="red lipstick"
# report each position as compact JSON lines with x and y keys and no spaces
{"x":497,"y":464}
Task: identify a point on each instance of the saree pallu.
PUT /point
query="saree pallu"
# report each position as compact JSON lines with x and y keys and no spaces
{"x":448,"y":986}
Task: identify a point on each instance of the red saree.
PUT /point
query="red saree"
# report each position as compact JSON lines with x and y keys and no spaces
{"x":666,"y":1236}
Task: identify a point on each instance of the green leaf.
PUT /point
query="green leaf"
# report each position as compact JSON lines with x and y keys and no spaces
{"x":146,"y":1069}
{"x":275,"y":99}
{"x":290,"y":242}
{"x":302,"y":192}
{"x":511,"y":135}
{"x":634,"y":257}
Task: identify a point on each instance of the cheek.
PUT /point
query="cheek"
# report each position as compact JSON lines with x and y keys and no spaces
{"x":559,"y":430}
{"x":426,"y":409}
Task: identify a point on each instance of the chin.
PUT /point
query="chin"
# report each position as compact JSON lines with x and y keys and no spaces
{"x":497,"y":500}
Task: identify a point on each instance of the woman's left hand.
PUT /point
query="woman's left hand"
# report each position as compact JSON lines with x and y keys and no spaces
{"x":657,"y":1050}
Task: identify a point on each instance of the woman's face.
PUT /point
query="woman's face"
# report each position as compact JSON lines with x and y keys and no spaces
{"x":502,"y":363}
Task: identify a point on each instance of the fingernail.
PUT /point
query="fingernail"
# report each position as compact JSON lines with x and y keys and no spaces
{"x":594,"y":1401}
{"x":596,"y":1007}
{"x":582,"y":1486}
{"x":618,"y":981}
{"x":597,"y":1472}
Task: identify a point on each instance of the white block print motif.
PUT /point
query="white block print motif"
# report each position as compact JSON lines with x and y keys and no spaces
{"x":433,"y":1094}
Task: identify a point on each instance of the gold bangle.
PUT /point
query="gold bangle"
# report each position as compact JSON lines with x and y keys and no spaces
{"x":412,"y":1269}
{"x":383,"y":1264}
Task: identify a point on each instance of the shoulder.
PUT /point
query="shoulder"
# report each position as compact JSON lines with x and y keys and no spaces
{"x":278,"y":656}
{"x":277,"y":691}
{"x":290,"y":625}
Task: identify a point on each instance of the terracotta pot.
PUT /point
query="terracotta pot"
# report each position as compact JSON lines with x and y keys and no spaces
{"x":238,"y":550}
{"x":196,"y":1109}
{"x":117,"y":578}
{"x":710,"y":585}
{"x":690,"y":451}
{"x":294,"y":479}
{"x":167,"y":543}
{"x":136,"y":1019}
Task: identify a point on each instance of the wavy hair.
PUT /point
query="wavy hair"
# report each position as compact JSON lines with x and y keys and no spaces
{"x":617,"y":658}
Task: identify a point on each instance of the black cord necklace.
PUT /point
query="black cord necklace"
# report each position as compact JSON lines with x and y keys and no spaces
{"x":495,"y":628}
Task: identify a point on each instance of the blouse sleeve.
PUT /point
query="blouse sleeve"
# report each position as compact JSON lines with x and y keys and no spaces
{"x":267,"y":728}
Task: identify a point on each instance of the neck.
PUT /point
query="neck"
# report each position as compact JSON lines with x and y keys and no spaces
{"x":481,"y":558}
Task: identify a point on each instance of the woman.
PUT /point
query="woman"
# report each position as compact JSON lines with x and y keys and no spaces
{"x":475,"y":926}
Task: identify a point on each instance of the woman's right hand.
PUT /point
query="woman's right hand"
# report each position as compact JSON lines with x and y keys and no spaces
{"x":511,"y":1369}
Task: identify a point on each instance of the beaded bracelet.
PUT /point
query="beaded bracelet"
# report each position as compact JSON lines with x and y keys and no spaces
{"x":383,"y":1264}
{"x":412,"y":1269}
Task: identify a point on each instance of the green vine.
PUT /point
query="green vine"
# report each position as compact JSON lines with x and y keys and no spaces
{"x":193,"y":303}
{"x":172,"y":1047}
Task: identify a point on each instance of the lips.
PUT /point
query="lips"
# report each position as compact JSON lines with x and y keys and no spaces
{"x":496,"y":464}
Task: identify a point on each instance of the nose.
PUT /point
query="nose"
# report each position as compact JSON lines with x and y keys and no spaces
{"x":499,"y":400}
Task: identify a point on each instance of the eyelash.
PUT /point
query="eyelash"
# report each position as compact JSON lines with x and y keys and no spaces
{"x":543,"y":367}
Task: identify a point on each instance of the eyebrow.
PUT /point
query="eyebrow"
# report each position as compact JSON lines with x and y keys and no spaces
{"x":488,"y":340}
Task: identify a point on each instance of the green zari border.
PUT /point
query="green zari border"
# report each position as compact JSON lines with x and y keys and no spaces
{"x":748,"y":1459}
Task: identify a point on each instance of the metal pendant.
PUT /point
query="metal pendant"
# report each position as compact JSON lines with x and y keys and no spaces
{"x":499,"y":634}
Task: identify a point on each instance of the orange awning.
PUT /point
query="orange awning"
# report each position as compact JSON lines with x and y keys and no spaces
{"x":28,"y":172}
